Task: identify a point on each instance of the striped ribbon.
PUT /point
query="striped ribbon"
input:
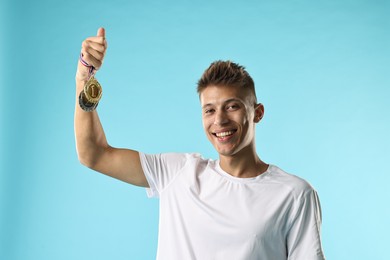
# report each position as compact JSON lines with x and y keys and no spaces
{"x":91,"y":68}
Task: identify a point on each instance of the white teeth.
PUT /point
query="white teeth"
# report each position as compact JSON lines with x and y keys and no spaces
{"x":223,"y":134}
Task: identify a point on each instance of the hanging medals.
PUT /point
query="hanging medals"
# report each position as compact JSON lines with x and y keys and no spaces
{"x":92,"y":93}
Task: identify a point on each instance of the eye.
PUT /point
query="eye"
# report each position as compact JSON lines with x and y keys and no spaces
{"x":209,"y":111}
{"x":233,"y":107}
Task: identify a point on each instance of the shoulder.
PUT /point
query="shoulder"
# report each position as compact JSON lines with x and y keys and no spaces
{"x":173,"y":155}
{"x":178,"y":157}
{"x":174,"y":160}
{"x":294,"y":183}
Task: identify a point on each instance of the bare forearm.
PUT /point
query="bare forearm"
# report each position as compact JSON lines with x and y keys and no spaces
{"x":90,"y":138}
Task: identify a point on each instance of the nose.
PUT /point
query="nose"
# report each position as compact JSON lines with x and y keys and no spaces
{"x":220,"y":118}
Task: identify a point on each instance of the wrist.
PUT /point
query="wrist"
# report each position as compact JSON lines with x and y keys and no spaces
{"x":85,"y":104}
{"x":82,"y":72}
{"x":80,"y":77}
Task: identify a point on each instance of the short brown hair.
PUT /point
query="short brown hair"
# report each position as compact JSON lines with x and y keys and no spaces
{"x":226,"y":73}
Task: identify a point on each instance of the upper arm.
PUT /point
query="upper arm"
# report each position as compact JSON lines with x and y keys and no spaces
{"x":304,"y":238}
{"x":122,"y":164}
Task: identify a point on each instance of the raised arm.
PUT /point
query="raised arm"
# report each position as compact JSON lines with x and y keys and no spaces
{"x":92,"y":147}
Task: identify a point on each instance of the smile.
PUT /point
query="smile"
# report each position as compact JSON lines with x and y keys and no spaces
{"x":224,"y":134}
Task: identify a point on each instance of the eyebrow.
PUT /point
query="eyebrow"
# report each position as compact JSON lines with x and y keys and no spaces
{"x":225,"y":102}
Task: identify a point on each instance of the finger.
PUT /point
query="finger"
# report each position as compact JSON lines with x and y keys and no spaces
{"x":97,"y":39}
{"x":94,"y":54}
{"x":90,"y":52}
{"x":93,"y":59}
{"x":94,"y":45}
{"x":101,"y":32}
{"x":98,"y":55}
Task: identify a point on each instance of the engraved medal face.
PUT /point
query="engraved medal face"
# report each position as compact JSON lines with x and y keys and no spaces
{"x":93,"y":90}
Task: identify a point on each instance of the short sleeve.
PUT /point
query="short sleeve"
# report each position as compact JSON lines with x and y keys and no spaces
{"x":304,"y":239}
{"x":161,"y":169}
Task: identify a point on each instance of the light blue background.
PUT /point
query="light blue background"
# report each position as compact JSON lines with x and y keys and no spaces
{"x":321,"y":69}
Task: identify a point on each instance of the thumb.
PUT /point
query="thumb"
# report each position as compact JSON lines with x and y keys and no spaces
{"x":101,"y":32}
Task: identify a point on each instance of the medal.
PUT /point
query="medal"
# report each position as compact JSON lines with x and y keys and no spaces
{"x":93,"y":90}
{"x":92,"y":93}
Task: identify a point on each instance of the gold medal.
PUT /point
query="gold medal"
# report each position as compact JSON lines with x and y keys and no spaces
{"x":93,"y":90}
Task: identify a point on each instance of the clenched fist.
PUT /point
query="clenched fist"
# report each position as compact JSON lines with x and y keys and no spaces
{"x":93,"y":50}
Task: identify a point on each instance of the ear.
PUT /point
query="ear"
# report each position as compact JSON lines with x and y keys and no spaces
{"x":259,"y":112}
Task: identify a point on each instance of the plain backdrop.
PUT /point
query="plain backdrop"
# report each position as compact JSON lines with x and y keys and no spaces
{"x":321,"y":69}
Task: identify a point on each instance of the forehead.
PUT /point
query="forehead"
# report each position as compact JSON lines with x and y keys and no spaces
{"x":213,"y":95}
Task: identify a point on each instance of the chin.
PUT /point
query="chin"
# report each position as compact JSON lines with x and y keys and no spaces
{"x":226,"y":152}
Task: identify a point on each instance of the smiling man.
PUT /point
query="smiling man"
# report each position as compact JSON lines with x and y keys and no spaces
{"x":236,"y":207}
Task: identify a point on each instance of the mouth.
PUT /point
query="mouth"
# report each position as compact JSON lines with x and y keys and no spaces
{"x":225,"y":134}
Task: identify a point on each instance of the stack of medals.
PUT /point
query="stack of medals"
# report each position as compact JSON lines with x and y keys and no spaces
{"x":89,"y":98}
{"x":92,"y":93}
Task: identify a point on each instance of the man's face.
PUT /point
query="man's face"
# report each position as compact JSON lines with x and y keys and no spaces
{"x":229,"y":115}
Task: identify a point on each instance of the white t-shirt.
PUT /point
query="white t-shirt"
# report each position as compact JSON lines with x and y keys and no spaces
{"x":207,"y":214}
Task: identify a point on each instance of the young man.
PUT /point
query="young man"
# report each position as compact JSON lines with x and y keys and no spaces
{"x":236,"y":207}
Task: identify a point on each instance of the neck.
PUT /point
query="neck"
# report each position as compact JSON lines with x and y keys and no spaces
{"x":243,"y":165}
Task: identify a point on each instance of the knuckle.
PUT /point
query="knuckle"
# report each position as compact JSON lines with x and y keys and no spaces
{"x":84,"y":44}
{"x":101,"y":54}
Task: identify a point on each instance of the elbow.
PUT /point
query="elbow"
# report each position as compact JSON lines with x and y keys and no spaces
{"x":90,"y":153}
{"x":91,"y":156}
{"x":86,"y":159}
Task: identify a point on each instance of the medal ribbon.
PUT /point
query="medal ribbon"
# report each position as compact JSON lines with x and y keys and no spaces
{"x":91,"y":68}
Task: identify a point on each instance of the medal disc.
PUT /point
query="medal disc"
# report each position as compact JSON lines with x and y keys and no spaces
{"x":93,"y":90}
